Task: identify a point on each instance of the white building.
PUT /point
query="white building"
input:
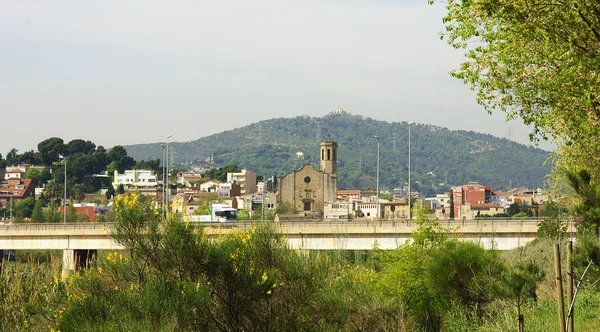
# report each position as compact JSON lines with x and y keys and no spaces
{"x":138,"y":178}
{"x":210,"y":186}
{"x":338,"y":210}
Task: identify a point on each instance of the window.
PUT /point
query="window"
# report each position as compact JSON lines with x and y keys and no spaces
{"x":307,"y":179}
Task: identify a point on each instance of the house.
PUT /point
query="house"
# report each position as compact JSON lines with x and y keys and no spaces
{"x":136,"y":178}
{"x":348,"y":195}
{"x":470,"y":211}
{"x":189,"y":180}
{"x":338,"y":210}
{"x":367,"y":210}
{"x":502,"y":198}
{"x":229,"y":190}
{"x":15,"y":190}
{"x":397,"y":209}
{"x":210,"y":186}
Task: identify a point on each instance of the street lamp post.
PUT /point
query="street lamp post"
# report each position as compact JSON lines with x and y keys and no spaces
{"x":167,"y":187}
{"x":163,"y":182}
{"x":409,"y":193}
{"x":65,"y":200}
{"x":378,"y":139}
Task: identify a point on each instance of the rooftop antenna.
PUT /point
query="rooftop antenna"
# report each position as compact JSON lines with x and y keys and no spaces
{"x":509,"y":133}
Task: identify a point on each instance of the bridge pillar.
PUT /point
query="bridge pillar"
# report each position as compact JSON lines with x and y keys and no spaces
{"x":76,"y":259}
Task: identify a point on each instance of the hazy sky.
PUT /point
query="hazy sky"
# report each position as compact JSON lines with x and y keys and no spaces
{"x":125,"y":72}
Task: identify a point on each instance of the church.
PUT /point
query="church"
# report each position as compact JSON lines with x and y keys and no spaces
{"x":308,"y":188}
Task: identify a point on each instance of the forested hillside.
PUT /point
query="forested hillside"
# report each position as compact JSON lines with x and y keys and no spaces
{"x":439,"y":157}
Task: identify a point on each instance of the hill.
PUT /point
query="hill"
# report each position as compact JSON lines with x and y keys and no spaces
{"x":439,"y":157}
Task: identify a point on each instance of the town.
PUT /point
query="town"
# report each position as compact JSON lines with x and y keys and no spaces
{"x":308,"y":193}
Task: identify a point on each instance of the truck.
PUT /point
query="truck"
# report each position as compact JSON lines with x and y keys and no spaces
{"x":219,"y":213}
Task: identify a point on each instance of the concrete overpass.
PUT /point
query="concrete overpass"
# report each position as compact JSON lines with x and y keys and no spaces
{"x":79,"y":240}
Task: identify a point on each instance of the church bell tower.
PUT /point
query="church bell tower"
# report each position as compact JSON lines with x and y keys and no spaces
{"x":329,"y":157}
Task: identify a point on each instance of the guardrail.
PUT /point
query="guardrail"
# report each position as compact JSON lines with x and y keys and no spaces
{"x":289,"y":224}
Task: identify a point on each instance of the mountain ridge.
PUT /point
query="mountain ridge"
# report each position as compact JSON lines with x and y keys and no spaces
{"x":438,"y":155}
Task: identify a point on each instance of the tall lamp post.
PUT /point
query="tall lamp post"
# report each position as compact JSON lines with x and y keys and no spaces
{"x":65,"y":199}
{"x":163,"y":178}
{"x":378,"y":139}
{"x":409,"y":193}
{"x":167,"y":187}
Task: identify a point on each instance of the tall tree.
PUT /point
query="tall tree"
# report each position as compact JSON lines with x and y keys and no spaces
{"x":50,"y":149}
{"x":12,"y":157}
{"x":118,"y":156}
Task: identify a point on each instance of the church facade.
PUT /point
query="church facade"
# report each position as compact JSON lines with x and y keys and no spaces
{"x":308,"y":188}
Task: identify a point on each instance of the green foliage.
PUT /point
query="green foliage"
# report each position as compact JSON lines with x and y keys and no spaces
{"x":110,"y":192}
{"x":553,"y":225}
{"x":465,"y":274}
{"x":587,"y":210}
{"x":37,"y":215}
{"x":118,"y":156}
{"x":205,"y":201}
{"x":24,"y":208}
{"x":220,"y":174}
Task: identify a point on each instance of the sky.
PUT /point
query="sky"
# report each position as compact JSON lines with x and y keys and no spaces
{"x":120,"y":72}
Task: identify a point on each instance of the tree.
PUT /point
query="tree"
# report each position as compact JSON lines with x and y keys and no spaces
{"x":38,"y":214}
{"x":12,"y":157}
{"x":50,"y":149}
{"x":587,"y":211}
{"x":24,"y":208}
{"x":77,"y":193}
{"x":535,"y":60}
{"x":34,"y":174}
{"x":118,"y":155}
{"x":110,"y":193}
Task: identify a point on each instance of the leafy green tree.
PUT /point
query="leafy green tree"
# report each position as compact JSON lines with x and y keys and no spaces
{"x":50,"y":149}
{"x":513,"y":209}
{"x":466,"y":274}
{"x":28,"y":157}
{"x":535,"y":60}
{"x":37,"y":215}
{"x":2,"y":161}
{"x":77,"y":192}
{"x":553,"y":225}
{"x":79,"y":146}
{"x":121,"y":160}
{"x":121,"y":189}
{"x":12,"y":157}
{"x":34,"y":174}
{"x":110,"y":192}
{"x":24,"y":208}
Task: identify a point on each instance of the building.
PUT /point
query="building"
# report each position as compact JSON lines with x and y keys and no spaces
{"x":246,"y":180}
{"x":472,"y":193}
{"x":348,"y":195}
{"x":210,"y":186}
{"x":189,"y":180}
{"x":338,"y":210}
{"x":308,"y":189}
{"x":15,"y":190}
{"x":136,"y":178}
{"x":470,"y":211}
{"x":397,"y":209}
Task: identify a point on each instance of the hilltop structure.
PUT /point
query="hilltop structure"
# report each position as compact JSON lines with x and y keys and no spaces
{"x":308,"y":189}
